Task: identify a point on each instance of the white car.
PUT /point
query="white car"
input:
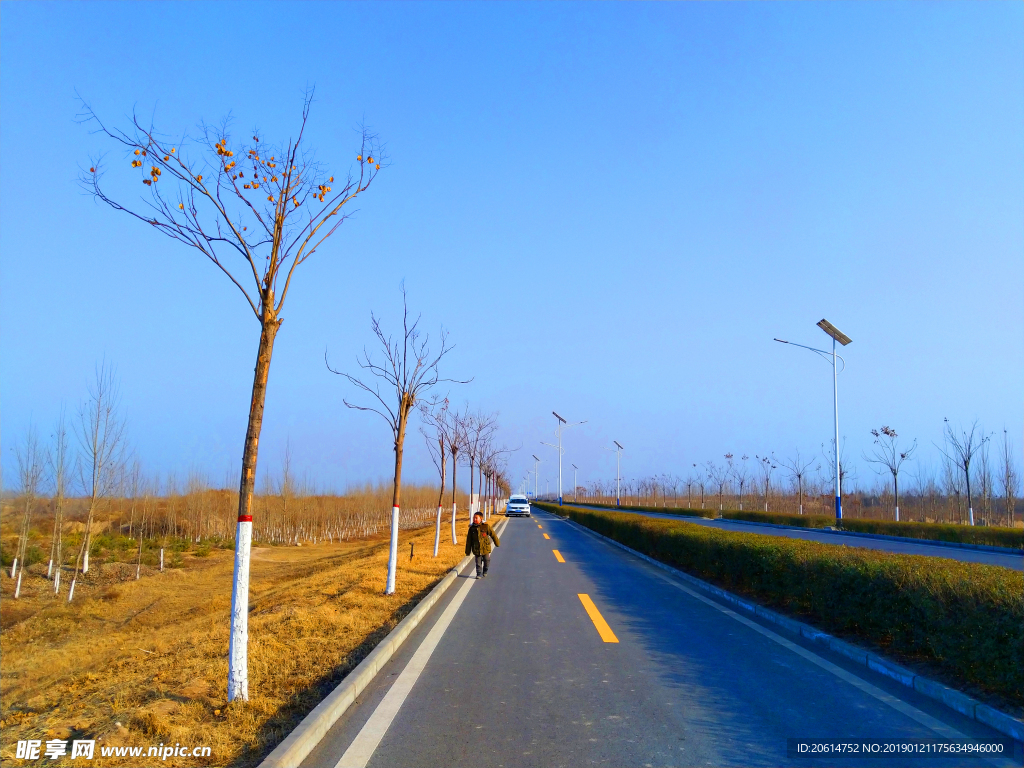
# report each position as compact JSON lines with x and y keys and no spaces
{"x":517,"y":505}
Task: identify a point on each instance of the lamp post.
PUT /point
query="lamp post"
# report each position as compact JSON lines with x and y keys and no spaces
{"x":574,"y":485}
{"x":842,"y":338}
{"x":617,"y":450}
{"x":536,"y":474}
{"x":562,"y":424}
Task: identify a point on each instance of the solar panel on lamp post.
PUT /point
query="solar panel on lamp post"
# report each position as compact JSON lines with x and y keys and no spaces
{"x":562,"y":424}
{"x":841,"y":338}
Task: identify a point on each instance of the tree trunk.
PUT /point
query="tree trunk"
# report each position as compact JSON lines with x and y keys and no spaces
{"x":403,"y":419}
{"x":238,"y":647}
{"x":440,"y":498}
{"x":896,"y":495}
{"x":455,"y":467}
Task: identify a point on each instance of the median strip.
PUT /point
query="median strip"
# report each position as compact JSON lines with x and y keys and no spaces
{"x":595,"y":616}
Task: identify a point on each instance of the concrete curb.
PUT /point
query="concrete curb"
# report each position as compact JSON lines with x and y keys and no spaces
{"x":955,"y":700}
{"x":307,"y":734}
{"x":882,"y":536}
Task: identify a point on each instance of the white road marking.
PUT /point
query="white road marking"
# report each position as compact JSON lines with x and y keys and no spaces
{"x":365,"y":744}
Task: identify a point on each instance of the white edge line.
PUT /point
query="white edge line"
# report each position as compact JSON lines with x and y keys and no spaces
{"x":304,"y":738}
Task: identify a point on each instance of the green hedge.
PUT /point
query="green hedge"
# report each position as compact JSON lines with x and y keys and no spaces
{"x":994,"y":536}
{"x":966,"y":617}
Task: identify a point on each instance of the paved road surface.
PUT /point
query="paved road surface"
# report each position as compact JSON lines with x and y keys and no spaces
{"x":1014,"y":560}
{"x":521,"y":676}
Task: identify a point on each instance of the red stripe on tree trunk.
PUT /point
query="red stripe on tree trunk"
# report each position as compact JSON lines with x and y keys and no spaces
{"x":245,"y":518}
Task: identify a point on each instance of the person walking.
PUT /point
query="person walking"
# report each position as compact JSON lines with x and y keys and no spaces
{"x":478,"y":542}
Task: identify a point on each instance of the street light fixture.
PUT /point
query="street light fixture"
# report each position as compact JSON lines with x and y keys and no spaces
{"x":842,"y":338}
{"x":536,"y":474}
{"x":562,"y":424}
{"x":618,"y":452}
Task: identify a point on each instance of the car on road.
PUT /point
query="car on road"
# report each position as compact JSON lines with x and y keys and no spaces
{"x":517,"y":505}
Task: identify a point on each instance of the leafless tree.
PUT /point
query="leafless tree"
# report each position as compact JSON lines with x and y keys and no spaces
{"x":1008,"y":477}
{"x":739,"y":472}
{"x":479,"y":429}
{"x":719,"y":476}
{"x":798,"y":468}
{"x":408,"y":372}
{"x":217,"y":207}
{"x":457,"y":439}
{"x":438,"y":436}
{"x":888,"y":456}
{"x":985,"y":482}
{"x":962,"y":445}
{"x":101,"y":434}
{"x":700,"y":480}
{"x":58,"y":461}
{"x":31,"y":464}
{"x":767,"y":466}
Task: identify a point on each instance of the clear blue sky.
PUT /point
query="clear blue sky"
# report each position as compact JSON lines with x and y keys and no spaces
{"x":613,"y":208}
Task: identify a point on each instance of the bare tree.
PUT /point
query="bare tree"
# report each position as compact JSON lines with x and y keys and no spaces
{"x":985,"y":482}
{"x":767,"y":466}
{"x":30,"y":472}
{"x":798,"y":468}
{"x":720,"y":477}
{"x":888,"y":455}
{"x":1008,"y":477}
{"x":739,"y":472}
{"x":101,"y":435}
{"x":479,"y":429}
{"x":457,"y":439}
{"x":962,"y":446}
{"x":438,"y":440}
{"x":701,"y":480}
{"x":409,"y":370}
{"x":218,"y":208}
{"x":60,"y":471}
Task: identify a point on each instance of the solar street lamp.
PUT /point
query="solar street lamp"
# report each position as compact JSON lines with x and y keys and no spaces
{"x":841,"y":338}
{"x":618,"y":452}
{"x":574,"y":485}
{"x":536,"y":474}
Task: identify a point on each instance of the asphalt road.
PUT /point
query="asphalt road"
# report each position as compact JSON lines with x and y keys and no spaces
{"x":1009,"y":559}
{"x":524,"y":676}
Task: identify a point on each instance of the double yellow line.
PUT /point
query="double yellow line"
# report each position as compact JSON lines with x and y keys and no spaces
{"x":588,"y":605}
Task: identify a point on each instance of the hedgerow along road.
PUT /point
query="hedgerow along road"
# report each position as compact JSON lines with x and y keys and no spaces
{"x":573,"y":652}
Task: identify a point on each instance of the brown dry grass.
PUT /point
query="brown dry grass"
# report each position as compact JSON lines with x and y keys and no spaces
{"x":152,"y":654}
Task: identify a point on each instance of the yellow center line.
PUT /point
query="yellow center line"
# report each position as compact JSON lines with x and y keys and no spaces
{"x":595,"y":616}
{"x":546,"y":536}
{"x":558,"y":556}
{"x":539,"y":525}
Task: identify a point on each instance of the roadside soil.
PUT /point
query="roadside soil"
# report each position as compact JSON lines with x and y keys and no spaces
{"x":139,"y":663}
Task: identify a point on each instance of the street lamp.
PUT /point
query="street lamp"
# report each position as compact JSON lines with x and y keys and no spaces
{"x":574,"y":485}
{"x":618,"y":452}
{"x":562,"y":424}
{"x":842,"y":338}
{"x":536,"y":474}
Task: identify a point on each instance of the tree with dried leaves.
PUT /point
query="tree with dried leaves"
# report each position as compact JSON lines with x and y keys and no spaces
{"x":256,"y":217}
{"x":408,"y":372}
{"x":888,"y":455}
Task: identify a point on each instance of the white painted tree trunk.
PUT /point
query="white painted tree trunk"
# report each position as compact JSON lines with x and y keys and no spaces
{"x":56,"y":582}
{"x":392,"y":554}
{"x":17,"y":587}
{"x":238,"y":646}
{"x":161,"y":558}
{"x":14,"y":565}
{"x":437,"y":531}
{"x":85,"y":562}
{"x":71,"y":592}
{"x":970,"y":514}
{"x":49,"y":569}
{"x":897,"y":514}
{"x":455,"y":538}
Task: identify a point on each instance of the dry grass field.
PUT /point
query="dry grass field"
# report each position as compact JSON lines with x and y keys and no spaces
{"x":144,"y":662}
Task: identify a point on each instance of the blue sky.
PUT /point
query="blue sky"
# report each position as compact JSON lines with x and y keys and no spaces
{"x":612,"y":208}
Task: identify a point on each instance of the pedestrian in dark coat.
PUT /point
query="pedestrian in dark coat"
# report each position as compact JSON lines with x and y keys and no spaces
{"x":478,"y":542}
